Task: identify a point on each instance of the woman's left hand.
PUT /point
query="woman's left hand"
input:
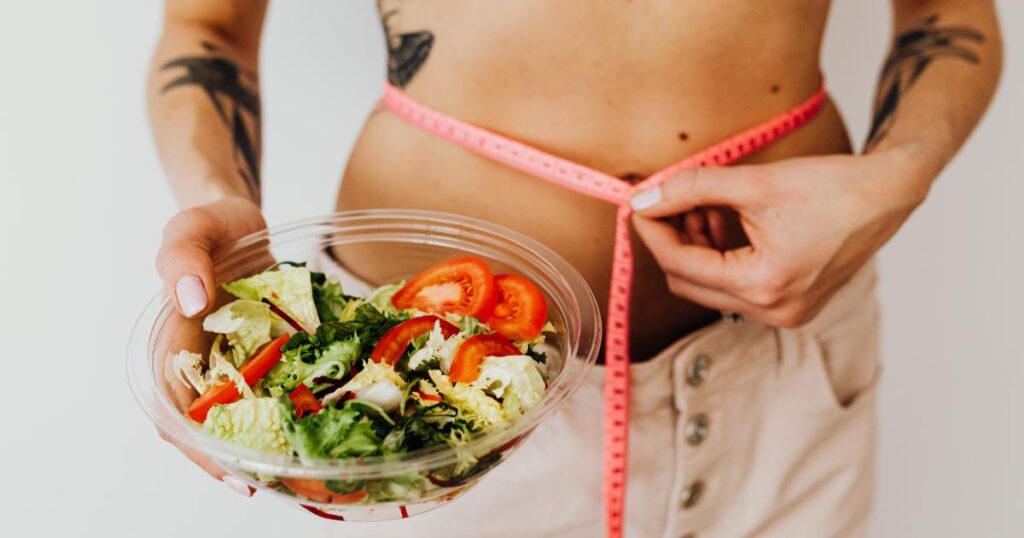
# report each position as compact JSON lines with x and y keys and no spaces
{"x":811,"y":223}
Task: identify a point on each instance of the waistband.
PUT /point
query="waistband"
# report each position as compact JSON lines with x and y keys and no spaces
{"x":650,"y":381}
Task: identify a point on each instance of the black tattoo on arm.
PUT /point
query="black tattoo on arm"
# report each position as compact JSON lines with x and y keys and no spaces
{"x":406,"y":51}
{"x":912,"y":52}
{"x":232,"y":91}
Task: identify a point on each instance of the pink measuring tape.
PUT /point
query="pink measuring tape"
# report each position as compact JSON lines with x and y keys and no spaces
{"x":617,"y":191}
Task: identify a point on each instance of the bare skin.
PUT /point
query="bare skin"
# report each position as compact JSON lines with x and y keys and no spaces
{"x":624,"y":87}
{"x":600,"y":96}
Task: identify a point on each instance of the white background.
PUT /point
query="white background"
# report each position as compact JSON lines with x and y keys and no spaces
{"x":82,"y":202}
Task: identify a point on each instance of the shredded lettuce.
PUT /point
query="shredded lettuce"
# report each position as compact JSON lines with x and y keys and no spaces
{"x":430,"y":425}
{"x":221,"y":367}
{"x":383,"y":394}
{"x":396,"y":488}
{"x":473,"y":404}
{"x":247,"y":325}
{"x":513,"y":379}
{"x":435,"y":346}
{"x":289,"y":288}
{"x":365,"y":320}
{"x":328,"y":296}
{"x":381,"y":297}
{"x":368,"y":408}
{"x":332,"y":433}
{"x":255,"y":423}
{"x":189,"y":368}
{"x":349,"y":312}
{"x":303,"y":361}
{"x":526,"y":343}
{"x":371,"y":374}
{"x":471,"y":326}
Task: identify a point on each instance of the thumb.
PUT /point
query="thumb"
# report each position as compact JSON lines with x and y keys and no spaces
{"x":184,"y":262}
{"x":695,"y":187}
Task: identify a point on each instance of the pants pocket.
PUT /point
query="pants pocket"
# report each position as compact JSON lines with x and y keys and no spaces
{"x":843,"y":357}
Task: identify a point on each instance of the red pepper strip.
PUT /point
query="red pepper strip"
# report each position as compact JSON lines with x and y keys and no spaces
{"x":304,"y":401}
{"x":226,"y":392}
{"x":425,"y":396}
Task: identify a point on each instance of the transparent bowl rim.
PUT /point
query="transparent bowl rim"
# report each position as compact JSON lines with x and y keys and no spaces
{"x":583,"y":344}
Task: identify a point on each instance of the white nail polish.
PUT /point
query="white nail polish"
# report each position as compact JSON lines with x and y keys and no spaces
{"x":191,"y":295}
{"x":237,"y":486}
{"x":645,"y":198}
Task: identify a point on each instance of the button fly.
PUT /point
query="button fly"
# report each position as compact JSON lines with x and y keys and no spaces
{"x":692,"y":494}
{"x":697,"y":372}
{"x":697,"y":429}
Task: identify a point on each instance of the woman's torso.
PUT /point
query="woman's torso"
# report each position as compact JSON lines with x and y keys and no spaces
{"x":624,"y":87}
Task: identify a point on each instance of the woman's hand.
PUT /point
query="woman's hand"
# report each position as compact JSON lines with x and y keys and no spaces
{"x":185,"y":265}
{"x":184,"y":260}
{"x":811,"y":223}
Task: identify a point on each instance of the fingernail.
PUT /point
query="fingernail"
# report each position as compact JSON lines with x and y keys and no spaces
{"x":191,"y":295}
{"x":645,"y":198}
{"x":237,"y":486}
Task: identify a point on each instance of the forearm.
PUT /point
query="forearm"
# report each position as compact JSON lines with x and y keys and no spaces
{"x":935,"y":85}
{"x":204,"y":108}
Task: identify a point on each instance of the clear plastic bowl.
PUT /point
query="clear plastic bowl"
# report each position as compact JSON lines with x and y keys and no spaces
{"x":379,"y":246}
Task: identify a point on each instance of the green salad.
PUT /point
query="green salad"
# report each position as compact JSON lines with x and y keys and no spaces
{"x":299,"y":368}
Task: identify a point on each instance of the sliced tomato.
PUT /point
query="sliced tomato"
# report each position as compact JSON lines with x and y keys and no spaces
{"x":226,"y":392}
{"x":462,"y":286}
{"x":391,"y":346}
{"x":471,"y":353}
{"x":521,"y":310}
{"x":304,"y":401}
{"x":315,"y":490}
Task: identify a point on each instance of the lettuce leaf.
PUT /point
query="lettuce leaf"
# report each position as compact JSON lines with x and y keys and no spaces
{"x":396,"y":488}
{"x":366,"y":321}
{"x":247,"y":325}
{"x":190,"y":369}
{"x":255,"y":423}
{"x":429,"y":426}
{"x":289,"y":288}
{"x":329,"y":298}
{"x":473,"y":404}
{"x":515,"y":380}
{"x":305,"y":361}
{"x":330,"y":352}
{"x":526,"y":343}
{"x":332,"y":433}
{"x":371,"y":374}
{"x":381,"y":297}
{"x":434,"y":346}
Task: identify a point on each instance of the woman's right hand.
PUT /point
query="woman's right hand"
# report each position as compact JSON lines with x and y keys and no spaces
{"x":185,"y":264}
{"x":184,"y":261}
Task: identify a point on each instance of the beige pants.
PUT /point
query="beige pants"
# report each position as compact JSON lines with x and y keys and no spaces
{"x":736,"y":430}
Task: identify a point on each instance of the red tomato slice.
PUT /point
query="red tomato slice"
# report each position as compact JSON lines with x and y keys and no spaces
{"x":521,"y":311}
{"x":391,"y":346}
{"x":471,"y":353}
{"x":316,"y":490}
{"x":226,"y":392}
{"x":463,"y":286}
{"x":304,"y":401}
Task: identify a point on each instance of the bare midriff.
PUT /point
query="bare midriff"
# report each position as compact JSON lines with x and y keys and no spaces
{"x":624,"y":87}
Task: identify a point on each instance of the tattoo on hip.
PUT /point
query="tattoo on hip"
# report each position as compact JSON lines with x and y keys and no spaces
{"x":407,"y":51}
